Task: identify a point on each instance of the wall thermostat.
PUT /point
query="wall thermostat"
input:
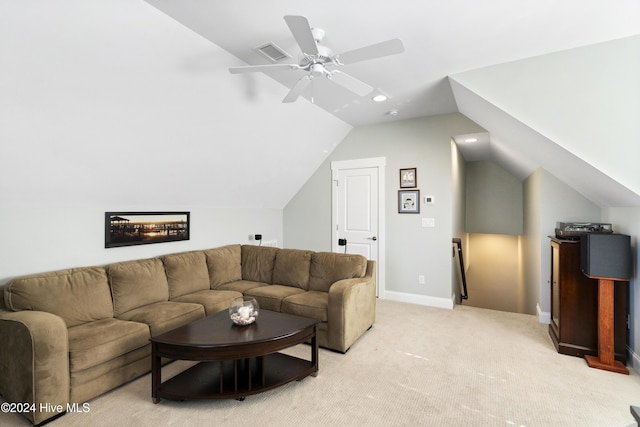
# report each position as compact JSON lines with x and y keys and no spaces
{"x":428,"y":200}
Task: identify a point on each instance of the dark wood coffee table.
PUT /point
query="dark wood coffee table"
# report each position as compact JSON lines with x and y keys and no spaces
{"x":235,"y":361}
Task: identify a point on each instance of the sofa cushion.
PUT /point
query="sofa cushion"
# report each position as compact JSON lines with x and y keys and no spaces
{"x":241,"y":286}
{"x":270,"y":297}
{"x":164,"y":316}
{"x":137,"y":283}
{"x":292,"y":268}
{"x":328,"y":267}
{"x":212,"y":300}
{"x":186,"y":273}
{"x":258,"y":263}
{"x":93,"y":343}
{"x":310,"y":304}
{"x":224,"y":265}
{"x":77,"y":295}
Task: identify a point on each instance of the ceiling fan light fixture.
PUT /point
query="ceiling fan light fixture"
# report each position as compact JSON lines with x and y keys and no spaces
{"x":379,"y":98}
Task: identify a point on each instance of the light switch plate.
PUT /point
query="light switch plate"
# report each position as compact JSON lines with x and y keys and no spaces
{"x":429,"y":200}
{"x":428,"y":222}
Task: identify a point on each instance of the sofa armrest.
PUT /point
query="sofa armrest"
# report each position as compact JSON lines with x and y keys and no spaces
{"x":34,"y":362}
{"x":351,"y":309}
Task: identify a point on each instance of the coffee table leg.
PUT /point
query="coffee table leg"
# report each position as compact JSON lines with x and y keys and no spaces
{"x":260,"y":368}
{"x":156,"y":374}
{"x":314,"y":351}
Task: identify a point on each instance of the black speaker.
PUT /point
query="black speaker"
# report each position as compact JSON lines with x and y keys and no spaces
{"x":606,"y":255}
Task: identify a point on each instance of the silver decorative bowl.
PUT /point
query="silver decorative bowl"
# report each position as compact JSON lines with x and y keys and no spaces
{"x":244,"y":310}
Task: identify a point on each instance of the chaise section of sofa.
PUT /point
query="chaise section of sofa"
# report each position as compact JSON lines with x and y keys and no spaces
{"x":64,"y":344}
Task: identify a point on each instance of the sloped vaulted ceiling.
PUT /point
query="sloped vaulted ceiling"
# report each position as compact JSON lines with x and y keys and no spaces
{"x":574,"y":112}
{"x":114,"y":103}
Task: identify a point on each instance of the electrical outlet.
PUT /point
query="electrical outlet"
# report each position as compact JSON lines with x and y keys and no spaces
{"x":421,"y":279}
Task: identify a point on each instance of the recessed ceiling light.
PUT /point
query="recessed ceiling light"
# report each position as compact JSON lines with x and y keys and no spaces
{"x":379,"y":98}
{"x":471,"y":140}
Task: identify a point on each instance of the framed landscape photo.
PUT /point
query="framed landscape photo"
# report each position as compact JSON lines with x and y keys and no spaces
{"x":408,"y":178}
{"x":141,"y":228}
{"x":409,"y":201}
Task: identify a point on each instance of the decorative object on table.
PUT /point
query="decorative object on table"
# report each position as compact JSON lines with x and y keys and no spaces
{"x":244,"y":310}
{"x":140,"y":228}
{"x":408,"y":178}
{"x":409,"y":201}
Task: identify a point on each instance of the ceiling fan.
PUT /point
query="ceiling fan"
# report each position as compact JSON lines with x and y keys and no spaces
{"x":321,"y":61}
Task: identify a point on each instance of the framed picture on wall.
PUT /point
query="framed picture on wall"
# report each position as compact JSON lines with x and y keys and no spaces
{"x":140,"y":228}
{"x":409,"y":201}
{"x":408,"y":178}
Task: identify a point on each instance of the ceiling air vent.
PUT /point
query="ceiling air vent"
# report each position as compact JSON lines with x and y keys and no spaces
{"x":272,"y":52}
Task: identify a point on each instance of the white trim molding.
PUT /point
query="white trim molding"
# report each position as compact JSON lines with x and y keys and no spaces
{"x":543,"y":316}
{"x":420,"y":299}
{"x":634,"y":359}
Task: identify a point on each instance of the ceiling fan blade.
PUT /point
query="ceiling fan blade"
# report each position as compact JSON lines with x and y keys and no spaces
{"x":257,"y":68}
{"x":351,"y":83}
{"x":390,"y":47}
{"x":298,"y":88}
{"x":301,"y":30}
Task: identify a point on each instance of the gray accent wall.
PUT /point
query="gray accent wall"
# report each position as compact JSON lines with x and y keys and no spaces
{"x":411,"y":250}
{"x":548,"y":200}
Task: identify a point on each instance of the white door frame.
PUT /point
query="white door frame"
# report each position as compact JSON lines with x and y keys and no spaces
{"x":374,"y":162}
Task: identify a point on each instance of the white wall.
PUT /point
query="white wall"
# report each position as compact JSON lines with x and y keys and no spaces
{"x":38,"y":239}
{"x":410,"y":249}
{"x":114,"y":103}
{"x":114,"y":106}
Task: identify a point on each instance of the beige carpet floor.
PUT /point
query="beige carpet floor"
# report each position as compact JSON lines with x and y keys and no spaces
{"x":417,"y":366}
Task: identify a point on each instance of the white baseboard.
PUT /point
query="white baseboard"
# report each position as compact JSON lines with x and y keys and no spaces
{"x":420,"y":299}
{"x":634,"y":360}
{"x":543,"y":316}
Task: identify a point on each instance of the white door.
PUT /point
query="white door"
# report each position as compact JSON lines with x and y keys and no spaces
{"x":358,"y":208}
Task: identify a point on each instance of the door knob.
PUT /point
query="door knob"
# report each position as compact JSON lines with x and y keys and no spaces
{"x":374,"y":238}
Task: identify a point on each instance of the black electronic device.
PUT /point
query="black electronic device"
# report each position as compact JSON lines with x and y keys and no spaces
{"x":606,"y":255}
{"x":574,"y":230}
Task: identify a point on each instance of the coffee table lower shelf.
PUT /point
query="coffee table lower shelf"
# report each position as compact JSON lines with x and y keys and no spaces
{"x":235,"y":378}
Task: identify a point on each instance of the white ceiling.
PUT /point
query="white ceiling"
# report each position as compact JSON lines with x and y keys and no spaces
{"x":441,"y":38}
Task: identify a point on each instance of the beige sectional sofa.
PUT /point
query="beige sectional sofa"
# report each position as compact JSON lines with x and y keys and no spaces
{"x":70,"y":335}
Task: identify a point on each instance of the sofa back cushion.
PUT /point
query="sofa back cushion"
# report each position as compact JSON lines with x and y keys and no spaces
{"x":292,"y":268}
{"x":186,"y":273}
{"x":137,"y":283}
{"x":258,"y":263}
{"x":328,"y":267}
{"x":224,"y":265}
{"x":77,"y":295}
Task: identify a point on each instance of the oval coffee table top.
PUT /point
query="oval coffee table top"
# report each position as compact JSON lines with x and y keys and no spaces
{"x":217,"y":330}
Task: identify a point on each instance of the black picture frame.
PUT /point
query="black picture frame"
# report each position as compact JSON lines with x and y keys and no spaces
{"x":142,"y":228}
{"x":409,"y":201}
{"x":408,"y":178}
